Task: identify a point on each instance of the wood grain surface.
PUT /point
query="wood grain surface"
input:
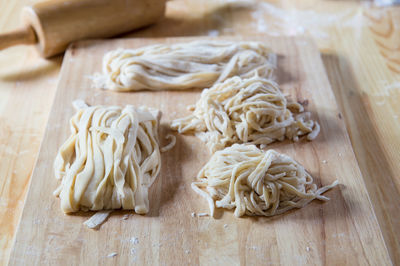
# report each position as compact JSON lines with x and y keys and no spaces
{"x":360,"y":51}
{"x":343,"y":230}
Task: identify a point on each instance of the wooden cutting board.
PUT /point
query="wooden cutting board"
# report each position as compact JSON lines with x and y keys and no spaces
{"x":341,"y":231}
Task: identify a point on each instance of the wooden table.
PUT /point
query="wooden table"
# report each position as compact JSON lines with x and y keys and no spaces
{"x":360,"y":46}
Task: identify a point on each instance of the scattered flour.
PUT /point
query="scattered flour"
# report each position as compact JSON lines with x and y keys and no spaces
{"x":134,"y":240}
{"x":386,"y":89}
{"x":213,"y":33}
{"x":274,"y":20}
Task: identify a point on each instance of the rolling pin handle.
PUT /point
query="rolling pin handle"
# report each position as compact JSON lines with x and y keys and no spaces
{"x":24,"y":35}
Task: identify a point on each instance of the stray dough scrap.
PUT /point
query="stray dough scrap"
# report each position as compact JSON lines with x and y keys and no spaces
{"x":254,"y":182}
{"x":110,"y":159}
{"x":252,"y":110}
{"x":97,"y":219}
{"x":197,"y":64}
{"x":112,"y":255}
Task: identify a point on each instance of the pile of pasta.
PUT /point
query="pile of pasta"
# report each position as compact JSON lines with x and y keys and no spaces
{"x":252,"y":110}
{"x":197,"y":64}
{"x":254,"y":182}
{"x":112,"y":155}
{"x":110,"y":159}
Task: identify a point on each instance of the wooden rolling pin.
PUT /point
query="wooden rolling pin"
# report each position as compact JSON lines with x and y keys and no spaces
{"x":52,"y":25}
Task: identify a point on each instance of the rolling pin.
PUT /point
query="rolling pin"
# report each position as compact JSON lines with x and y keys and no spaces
{"x":52,"y":25}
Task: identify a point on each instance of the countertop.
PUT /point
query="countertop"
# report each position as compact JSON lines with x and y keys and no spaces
{"x":360,"y":48}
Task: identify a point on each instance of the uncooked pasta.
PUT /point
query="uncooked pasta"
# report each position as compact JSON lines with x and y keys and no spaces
{"x":197,"y":64}
{"x":252,"y":110}
{"x":170,"y":145}
{"x":97,"y":219}
{"x":254,"y":182}
{"x":110,"y":159}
